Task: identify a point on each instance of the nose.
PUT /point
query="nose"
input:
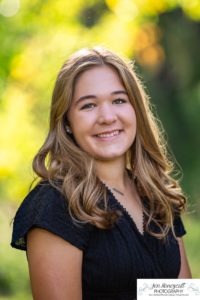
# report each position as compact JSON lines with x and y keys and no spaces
{"x":107,"y":114}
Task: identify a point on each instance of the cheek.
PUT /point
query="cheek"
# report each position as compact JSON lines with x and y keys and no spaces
{"x":132,"y":126}
{"x":135,"y":123}
{"x":76,"y":121}
{"x":83,"y":124}
{"x":82,"y":128}
{"x":131,"y":118}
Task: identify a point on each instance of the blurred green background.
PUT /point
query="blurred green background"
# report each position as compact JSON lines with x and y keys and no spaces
{"x":162,"y":36}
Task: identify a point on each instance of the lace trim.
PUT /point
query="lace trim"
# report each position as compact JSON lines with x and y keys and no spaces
{"x":126,"y":212}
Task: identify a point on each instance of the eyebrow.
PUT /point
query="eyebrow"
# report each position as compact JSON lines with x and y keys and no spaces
{"x":94,"y":96}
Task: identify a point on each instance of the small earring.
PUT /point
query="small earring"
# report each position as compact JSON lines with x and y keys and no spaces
{"x":68,"y":129}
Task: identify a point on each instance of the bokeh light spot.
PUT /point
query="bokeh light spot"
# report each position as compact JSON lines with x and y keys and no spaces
{"x":9,"y":8}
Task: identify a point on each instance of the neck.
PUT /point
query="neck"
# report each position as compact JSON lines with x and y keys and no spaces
{"x":112,"y":173}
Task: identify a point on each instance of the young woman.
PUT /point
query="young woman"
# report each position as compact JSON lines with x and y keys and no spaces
{"x":106,"y":210}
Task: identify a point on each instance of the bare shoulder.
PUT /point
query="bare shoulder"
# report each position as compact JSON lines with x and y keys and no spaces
{"x":185,"y":271}
{"x":54,"y":265}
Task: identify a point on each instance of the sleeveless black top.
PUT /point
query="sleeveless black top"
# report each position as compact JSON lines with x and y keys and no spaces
{"x":112,"y":259}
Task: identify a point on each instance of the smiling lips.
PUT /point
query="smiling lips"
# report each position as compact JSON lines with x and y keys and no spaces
{"x":108,"y":134}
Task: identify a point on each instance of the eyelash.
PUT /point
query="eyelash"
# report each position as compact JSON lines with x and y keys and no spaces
{"x":121,"y":100}
{"x":89,"y":106}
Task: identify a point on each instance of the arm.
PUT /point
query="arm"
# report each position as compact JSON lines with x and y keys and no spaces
{"x":55,"y":267}
{"x":185,"y":269}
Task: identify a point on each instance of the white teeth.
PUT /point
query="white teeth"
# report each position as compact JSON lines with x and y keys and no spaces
{"x":107,"y":135}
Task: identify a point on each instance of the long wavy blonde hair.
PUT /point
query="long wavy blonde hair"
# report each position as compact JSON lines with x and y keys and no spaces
{"x":71,"y":170}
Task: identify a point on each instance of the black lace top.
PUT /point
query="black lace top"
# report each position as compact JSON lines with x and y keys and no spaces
{"x":112,"y":259}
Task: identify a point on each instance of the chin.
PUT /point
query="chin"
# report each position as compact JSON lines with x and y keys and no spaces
{"x":108,"y":157}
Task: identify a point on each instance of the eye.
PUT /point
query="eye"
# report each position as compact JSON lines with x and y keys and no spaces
{"x":88,"y":106}
{"x":119,"y":101}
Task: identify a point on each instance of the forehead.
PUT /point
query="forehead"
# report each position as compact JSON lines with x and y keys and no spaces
{"x":98,"y":79}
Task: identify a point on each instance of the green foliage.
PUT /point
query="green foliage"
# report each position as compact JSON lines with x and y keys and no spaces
{"x":14,"y":274}
{"x":192,"y":242}
{"x":14,"y":281}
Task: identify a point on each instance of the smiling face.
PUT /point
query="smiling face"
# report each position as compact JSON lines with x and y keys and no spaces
{"x":101,"y":117}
